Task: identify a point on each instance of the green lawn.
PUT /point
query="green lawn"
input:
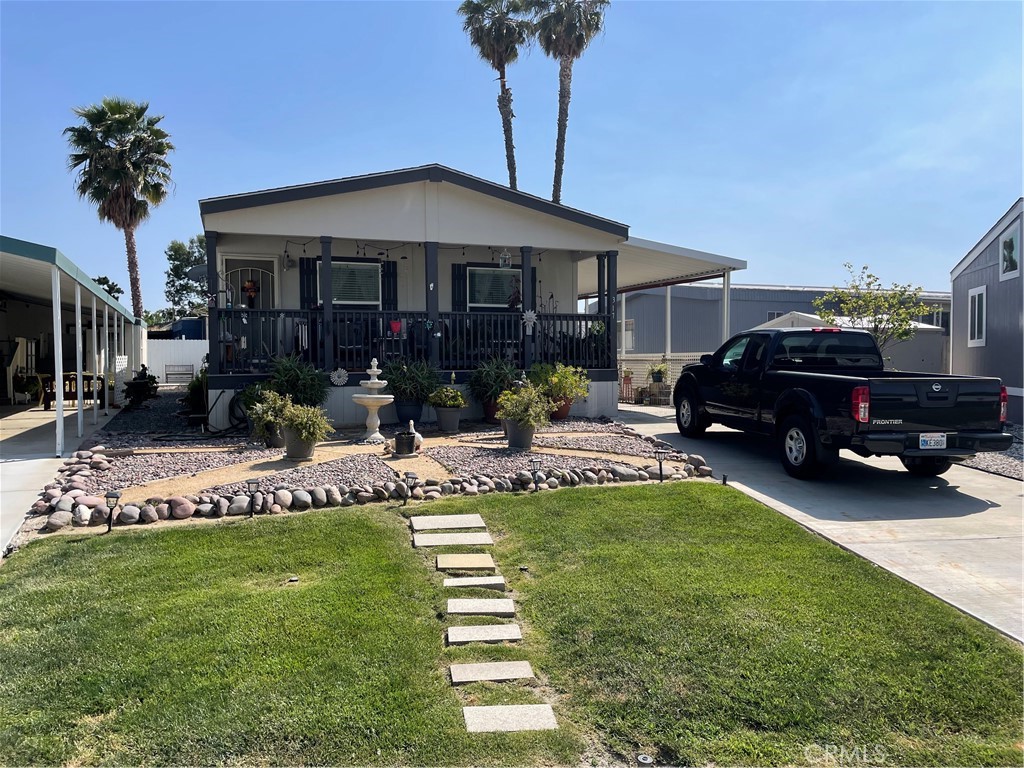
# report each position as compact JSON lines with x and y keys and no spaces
{"x":683,"y":621}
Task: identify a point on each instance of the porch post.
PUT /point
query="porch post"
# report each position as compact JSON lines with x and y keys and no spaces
{"x":613,"y":289}
{"x":58,"y":359}
{"x":601,"y":267}
{"x":95,"y":367}
{"x":668,"y":320}
{"x":622,"y":322}
{"x":212,"y":312}
{"x":106,"y":360}
{"x":79,"y":341}
{"x":726,"y":289}
{"x":526,"y":254}
{"x":433,"y":302}
{"x":327,"y":296}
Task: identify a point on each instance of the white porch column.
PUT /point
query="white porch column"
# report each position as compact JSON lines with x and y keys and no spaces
{"x":668,"y":320}
{"x":622,"y":320}
{"x":58,"y":359}
{"x":106,"y":360}
{"x":79,"y":341}
{"x":95,"y":366}
{"x":726,"y":289}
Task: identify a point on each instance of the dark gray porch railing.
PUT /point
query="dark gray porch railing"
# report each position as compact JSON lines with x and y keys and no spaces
{"x":468,"y":338}
{"x":583,"y":340}
{"x":360,"y":336}
{"x":251,"y":338}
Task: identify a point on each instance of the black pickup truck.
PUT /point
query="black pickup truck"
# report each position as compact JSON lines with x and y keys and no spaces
{"x":817,"y":390}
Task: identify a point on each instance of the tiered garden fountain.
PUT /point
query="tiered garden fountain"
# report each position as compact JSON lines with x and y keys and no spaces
{"x":373,"y":402}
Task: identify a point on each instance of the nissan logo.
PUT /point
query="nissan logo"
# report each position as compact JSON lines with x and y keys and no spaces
{"x":936,"y":387}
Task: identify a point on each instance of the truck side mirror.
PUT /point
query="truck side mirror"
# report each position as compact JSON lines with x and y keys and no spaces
{"x":707,"y":359}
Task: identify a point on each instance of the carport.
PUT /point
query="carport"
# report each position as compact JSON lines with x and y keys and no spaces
{"x":42,"y":316}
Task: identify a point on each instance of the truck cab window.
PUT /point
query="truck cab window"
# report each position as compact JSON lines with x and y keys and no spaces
{"x":733,"y":353}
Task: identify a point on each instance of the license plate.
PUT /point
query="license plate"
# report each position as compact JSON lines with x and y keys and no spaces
{"x":933,"y":440}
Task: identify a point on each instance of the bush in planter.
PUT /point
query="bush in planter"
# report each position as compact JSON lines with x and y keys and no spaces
{"x":448,"y":402}
{"x":303,"y":382}
{"x":524,"y":408}
{"x":267,"y":415}
{"x":563,"y":384}
{"x":411,"y":382}
{"x":490,"y":379}
{"x":304,"y":426}
{"x":657,"y":372}
{"x":195,"y":395}
{"x":141,"y":388}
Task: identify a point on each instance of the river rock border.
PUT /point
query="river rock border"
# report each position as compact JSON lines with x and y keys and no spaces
{"x":67,"y":501}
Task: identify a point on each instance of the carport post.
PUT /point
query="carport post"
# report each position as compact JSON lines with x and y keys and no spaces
{"x":668,"y":320}
{"x":106,"y":359}
{"x":725,"y":304}
{"x":58,"y":359}
{"x":622,"y":322}
{"x":95,"y":365}
{"x":78,"y":357}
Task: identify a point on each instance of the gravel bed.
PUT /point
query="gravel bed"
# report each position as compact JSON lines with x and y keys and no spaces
{"x":143,"y":468}
{"x":1009,"y":463}
{"x":622,"y":444}
{"x":159,"y":415}
{"x":358,"y":468}
{"x":166,"y":442}
{"x":499,"y":462}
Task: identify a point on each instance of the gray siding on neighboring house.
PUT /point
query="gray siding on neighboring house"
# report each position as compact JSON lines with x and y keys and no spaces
{"x":1003,"y":352}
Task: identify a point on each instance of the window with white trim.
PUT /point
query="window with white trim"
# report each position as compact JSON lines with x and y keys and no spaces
{"x":489,"y":288}
{"x":774,"y":314}
{"x":352,"y":283}
{"x":629,"y":333}
{"x":976,"y":309}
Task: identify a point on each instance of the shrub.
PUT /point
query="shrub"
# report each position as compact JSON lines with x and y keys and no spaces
{"x":561,"y":383}
{"x":490,"y":379}
{"x":446,"y":397}
{"x":300,"y":380}
{"x":196,"y":392}
{"x":141,"y":388}
{"x":413,"y":381}
{"x":526,"y":405}
{"x":267,"y":411}
{"x":309,"y":422}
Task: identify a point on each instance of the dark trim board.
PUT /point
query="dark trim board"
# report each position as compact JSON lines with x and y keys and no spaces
{"x":432,"y":173}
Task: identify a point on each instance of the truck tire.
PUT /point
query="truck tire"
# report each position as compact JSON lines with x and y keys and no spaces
{"x":689,"y":419}
{"x":926,"y":466}
{"x":798,"y":449}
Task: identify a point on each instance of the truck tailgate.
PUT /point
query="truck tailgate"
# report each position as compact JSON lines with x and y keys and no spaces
{"x":940,"y":404}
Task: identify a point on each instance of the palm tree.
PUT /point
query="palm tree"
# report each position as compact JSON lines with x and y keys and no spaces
{"x":564,"y":29}
{"x":121,"y":158}
{"x":497,"y":28}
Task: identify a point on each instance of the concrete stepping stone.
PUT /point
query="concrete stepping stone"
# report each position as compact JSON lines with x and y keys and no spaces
{"x":445,"y":522}
{"x":474,"y":607}
{"x":495,"y":672}
{"x":447,"y":539}
{"x":484,"y":633}
{"x":473,"y":562}
{"x":481,"y":582}
{"x":517,"y":717}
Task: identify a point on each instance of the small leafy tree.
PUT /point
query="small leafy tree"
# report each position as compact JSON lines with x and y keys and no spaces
{"x":889,"y":313}
{"x":157,"y":317}
{"x":109,"y":286}
{"x":186,"y":297}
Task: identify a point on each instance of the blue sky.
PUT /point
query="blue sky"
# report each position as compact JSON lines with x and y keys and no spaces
{"x":795,"y":136}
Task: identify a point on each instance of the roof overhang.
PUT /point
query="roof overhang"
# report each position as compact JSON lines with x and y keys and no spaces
{"x":26,"y":269}
{"x":997,"y":229}
{"x":650,"y":264}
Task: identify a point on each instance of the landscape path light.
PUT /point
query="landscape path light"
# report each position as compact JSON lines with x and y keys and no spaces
{"x":535,"y":462}
{"x":112,"y":498}
{"x":410,"y":478}
{"x":660,"y":454}
{"x":253,"y":486}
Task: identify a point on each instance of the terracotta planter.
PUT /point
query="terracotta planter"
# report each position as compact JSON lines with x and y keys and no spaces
{"x":448,"y":419}
{"x":519,"y":435}
{"x":296,"y":448}
{"x":407,"y":410}
{"x":491,"y":411}
{"x":562,"y":411}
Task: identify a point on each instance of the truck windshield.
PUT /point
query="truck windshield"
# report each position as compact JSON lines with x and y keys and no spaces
{"x":817,"y":349}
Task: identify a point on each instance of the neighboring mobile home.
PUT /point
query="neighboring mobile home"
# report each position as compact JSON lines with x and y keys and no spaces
{"x":988,"y":309}
{"x":425,"y":262}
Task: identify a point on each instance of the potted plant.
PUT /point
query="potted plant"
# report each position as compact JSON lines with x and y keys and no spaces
{"x":267,"y":415}
{"x":523,"y":408}
{"x":304,"y":426}
{"x":488,"y":380}
{"x":657,"y":372}
{"x":448,"y":402}
{"x":26,"y":386}
{"x":302,"y":381}
{"x":562,"y":384}
{"x":627,"y":375}
{"x":411,"y":382}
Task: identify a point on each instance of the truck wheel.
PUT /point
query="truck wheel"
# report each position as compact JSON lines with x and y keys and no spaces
{"x":688,"y":417}
{"x":926,"y":466}
{"x":798,"y":449}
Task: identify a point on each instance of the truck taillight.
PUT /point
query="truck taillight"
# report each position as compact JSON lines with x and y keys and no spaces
{"x":860,"y":404}
{"x":1004,"y":402}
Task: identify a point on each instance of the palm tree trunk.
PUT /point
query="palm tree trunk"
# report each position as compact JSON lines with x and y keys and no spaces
{"x":505,"y":109}
{"x":133,"y":271}
{"x":564,"y":95}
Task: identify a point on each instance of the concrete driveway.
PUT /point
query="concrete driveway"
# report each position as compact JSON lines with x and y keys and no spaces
{"x":958,"y":536}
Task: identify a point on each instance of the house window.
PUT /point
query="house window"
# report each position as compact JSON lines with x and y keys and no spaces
{"x":351,"y":283}
{"x":492,"y":288}
{"x":629,"y":334}
{"x":976,"y":317}
{"x":774,"y":314}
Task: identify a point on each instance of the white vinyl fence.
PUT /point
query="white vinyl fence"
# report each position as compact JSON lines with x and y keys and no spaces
{"x":175,"y":352}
